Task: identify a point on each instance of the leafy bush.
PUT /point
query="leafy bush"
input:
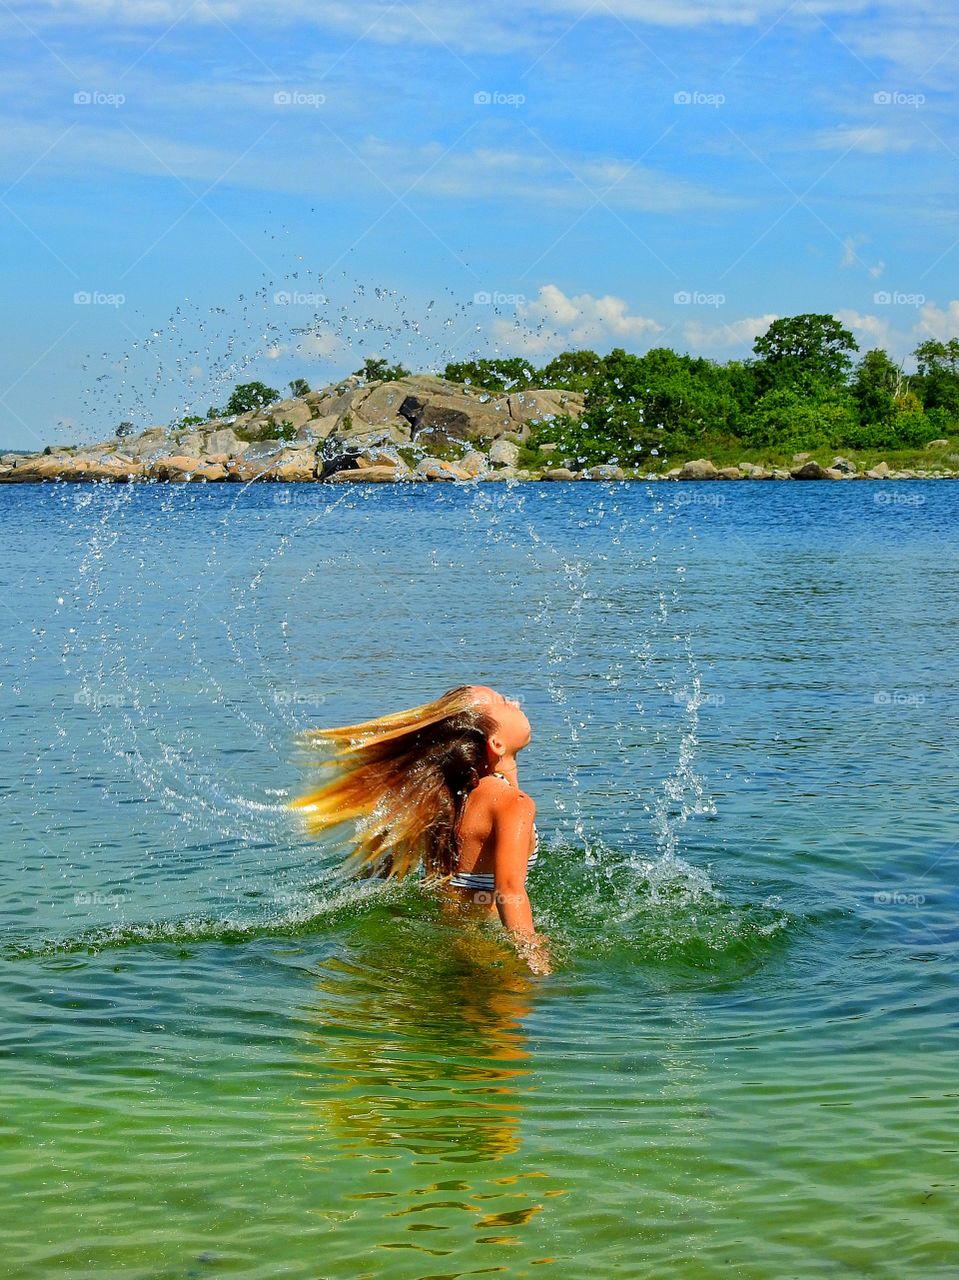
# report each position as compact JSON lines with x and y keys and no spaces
{"x":785,"y":419}
{"x":572,"y":370}
{"x":580,"y":443}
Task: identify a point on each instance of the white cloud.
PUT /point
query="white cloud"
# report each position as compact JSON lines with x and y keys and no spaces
{"x":938,"y":322}
{"x":868,"y":330}
{"x":554,"y":321}
{"x":703,"y":337}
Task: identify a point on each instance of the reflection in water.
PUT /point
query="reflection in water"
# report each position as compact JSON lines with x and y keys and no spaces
{"x":418,"y":1061}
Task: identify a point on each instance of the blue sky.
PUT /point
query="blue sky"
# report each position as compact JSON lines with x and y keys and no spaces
{"x":198,"y":194}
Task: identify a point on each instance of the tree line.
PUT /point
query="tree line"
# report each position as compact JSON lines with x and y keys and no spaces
{"x":802,"y":388}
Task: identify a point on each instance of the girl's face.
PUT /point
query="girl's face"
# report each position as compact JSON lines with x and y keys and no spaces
{"x":513,"y":730}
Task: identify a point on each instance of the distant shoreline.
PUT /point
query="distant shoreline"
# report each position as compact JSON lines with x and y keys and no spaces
{"x":426,"y":428}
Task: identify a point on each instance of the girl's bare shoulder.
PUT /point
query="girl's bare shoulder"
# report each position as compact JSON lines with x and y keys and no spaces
{"x":504,"y":798}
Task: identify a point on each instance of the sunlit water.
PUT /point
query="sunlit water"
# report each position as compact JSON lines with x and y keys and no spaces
{"x":222,"y":1059}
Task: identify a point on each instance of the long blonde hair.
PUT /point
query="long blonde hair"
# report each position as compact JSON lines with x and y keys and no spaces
{"x":402,"y":779}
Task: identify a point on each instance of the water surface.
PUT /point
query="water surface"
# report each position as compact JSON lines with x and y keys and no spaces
{"x":221,"y":1059}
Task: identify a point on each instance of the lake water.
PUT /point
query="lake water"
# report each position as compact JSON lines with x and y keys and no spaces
{"x":220,"y":1059}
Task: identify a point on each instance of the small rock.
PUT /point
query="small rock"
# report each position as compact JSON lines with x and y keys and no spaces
{"x":937,"y":444}
{"x":559,"y":473}
{"x":845,"y":465}
{"x":177,"y":467}
{"x":377,"y":458}
{"x":800,"y":457}
{"x":729,"y":473}
{"x":438,"y":469}
{"x":879,"y":472}
{"x":604,"y":471}
{"x":474,"y":462}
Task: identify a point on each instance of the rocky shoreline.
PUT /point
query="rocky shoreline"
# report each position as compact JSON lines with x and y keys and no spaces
{"x":418,"y":428}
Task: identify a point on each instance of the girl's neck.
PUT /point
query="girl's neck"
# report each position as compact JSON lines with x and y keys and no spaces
{"x":507,"y":769}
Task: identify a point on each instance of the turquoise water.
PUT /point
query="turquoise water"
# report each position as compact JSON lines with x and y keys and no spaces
{"x":221,"y":1059}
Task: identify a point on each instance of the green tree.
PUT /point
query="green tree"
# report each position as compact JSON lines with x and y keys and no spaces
{"x":378,"y":369}
{"x":299,"y":387}
{"x":514,"y":374}
{"x":643,"y":406}
{"x":250,"y":395}
{"x":876,"y":385}
{"x":810,"y":353}
{"x":937,"y":383}
{"x":572,"y":370}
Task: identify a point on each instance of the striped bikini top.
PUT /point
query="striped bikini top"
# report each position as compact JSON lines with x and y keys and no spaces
{"x":486,"y":879}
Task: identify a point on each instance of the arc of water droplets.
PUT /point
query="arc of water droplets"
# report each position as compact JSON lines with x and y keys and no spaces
{"x":197,"y":793}
{"x":682,"y":792}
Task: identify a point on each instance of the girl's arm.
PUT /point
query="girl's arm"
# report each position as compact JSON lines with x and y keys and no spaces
{"x":512,"y":833}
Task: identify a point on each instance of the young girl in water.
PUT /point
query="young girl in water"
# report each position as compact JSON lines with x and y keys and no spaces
{"x":437,"y":786}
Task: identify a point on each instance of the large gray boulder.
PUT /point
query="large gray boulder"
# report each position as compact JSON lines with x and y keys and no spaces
{"x":298,"y":412}
{"x":503,"y":453}
{"x":148,"y":444}
{"x":698,"y":469}
{"x":603,"y":471}
{"x":225,"y":441}
{"x":543,"y":405}
{"x":815,"y":471}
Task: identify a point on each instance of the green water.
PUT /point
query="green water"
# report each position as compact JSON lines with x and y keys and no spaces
{"x":220,"y":1059}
